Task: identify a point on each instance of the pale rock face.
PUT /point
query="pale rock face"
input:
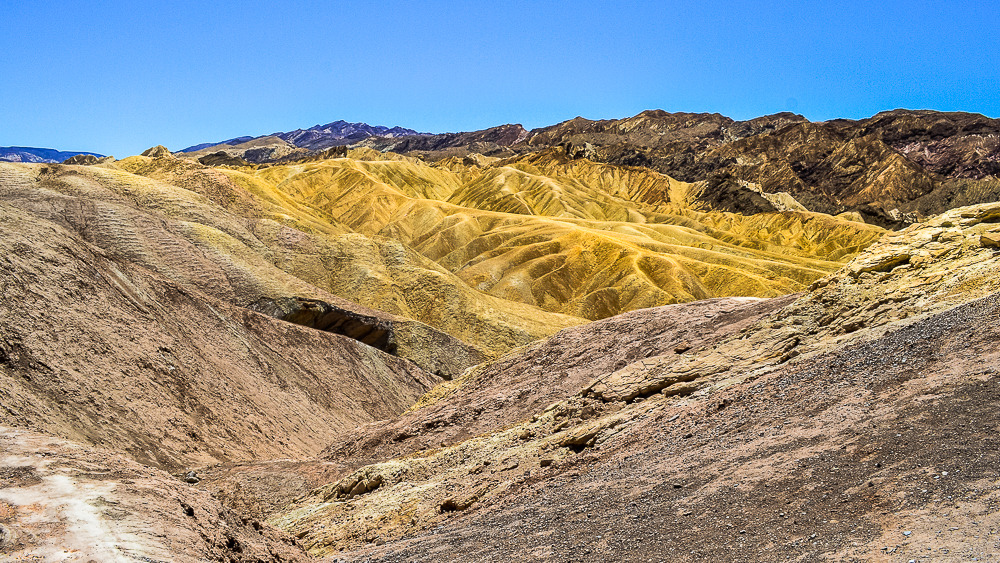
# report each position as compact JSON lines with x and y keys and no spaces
{"x":61,"y":501}
{"x":921,"y":270}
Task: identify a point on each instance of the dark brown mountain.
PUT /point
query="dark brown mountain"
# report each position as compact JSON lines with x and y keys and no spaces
{"x":953,"y":144}
{"x":658,"y":129}
{"x":340,"y":133}
{"x":891,"y":169}
{"x":495,"y":141}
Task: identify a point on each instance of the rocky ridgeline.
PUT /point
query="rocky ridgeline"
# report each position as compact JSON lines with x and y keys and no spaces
{"x":917,"y":272}
{"x":892,"y":169}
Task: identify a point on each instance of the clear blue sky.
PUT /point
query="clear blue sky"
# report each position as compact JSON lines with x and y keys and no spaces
{"x":118,"y":77}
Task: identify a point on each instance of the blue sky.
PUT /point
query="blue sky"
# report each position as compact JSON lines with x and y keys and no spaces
{"x":118,"y":77}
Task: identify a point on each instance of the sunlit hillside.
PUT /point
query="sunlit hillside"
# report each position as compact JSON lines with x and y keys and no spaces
{"x":585,"y":239}
{"x":496,"y":253}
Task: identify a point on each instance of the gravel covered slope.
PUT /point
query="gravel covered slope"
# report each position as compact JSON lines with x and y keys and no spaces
{"x":825,"y":429}
{"x":884,"y":450}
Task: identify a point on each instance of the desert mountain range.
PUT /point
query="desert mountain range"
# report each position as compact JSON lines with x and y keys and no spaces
{"x":668,"y":337}
{"x":319,"y":137}
{"x":894,"y":168}
{"x":33,"y":154}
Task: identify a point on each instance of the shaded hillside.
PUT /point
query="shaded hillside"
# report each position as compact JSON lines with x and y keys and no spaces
{"x":98,"y":349}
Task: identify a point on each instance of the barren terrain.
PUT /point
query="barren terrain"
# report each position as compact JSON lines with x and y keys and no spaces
{"x":352,"y":355}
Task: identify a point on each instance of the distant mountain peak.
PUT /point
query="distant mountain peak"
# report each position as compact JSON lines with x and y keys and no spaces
{"x":320,"y":137}
{"x":36,"y":155}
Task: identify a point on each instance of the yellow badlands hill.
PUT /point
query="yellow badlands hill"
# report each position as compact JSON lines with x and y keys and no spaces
{"x":584,"y":239}
{"x":496,"y":253}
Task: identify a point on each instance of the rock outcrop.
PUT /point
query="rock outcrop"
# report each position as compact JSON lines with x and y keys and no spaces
{"x":431,"y":350}
{"x":159,"y":151}
{"x":500,"y":393}
{"x":88,"y":159}
{"x":256,"y":150}
{"x":222,"y":158}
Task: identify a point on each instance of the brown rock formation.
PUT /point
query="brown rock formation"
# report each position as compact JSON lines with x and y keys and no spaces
{"x":222,"y":158}
{"x":88,"y":160}
{"x":493,"y":141}
{"x":159,"y":151}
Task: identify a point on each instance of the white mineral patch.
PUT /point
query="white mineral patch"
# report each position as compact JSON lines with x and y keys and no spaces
{"x":61,"y":513}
